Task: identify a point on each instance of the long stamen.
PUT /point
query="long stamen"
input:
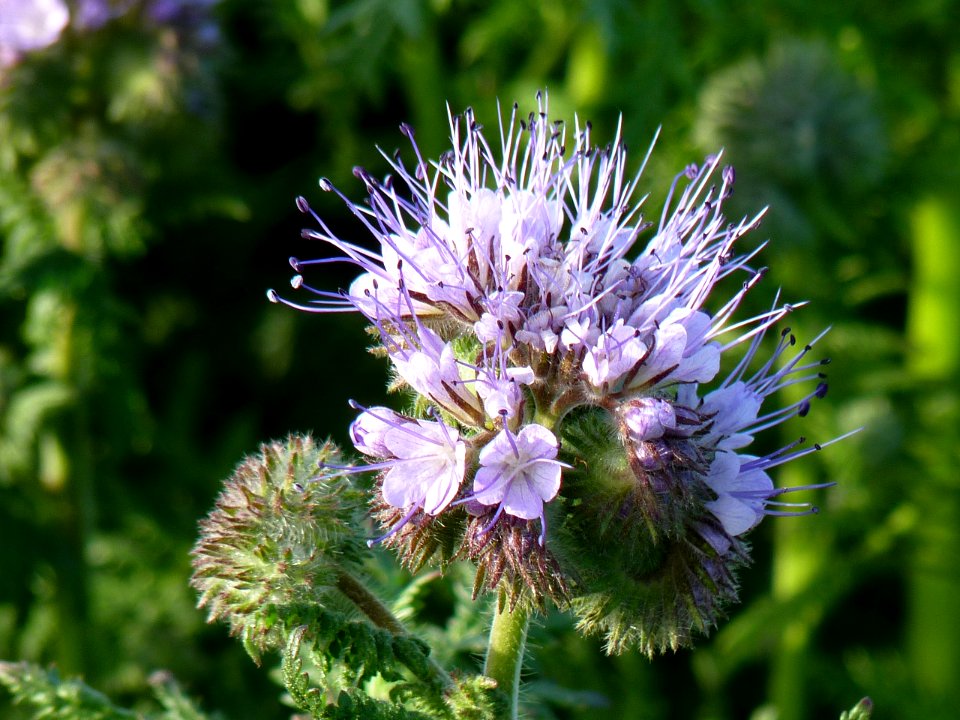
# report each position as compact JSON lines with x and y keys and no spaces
{"x":396,"y":526}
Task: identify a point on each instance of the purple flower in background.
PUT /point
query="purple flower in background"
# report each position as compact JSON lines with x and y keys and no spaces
{"x":27,"y":25}
{"x":92,"y":14}
{"x":192,"y":18}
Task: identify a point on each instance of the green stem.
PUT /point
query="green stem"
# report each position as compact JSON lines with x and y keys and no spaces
{"x":369,"y":604}
{"x":933,"y":627}
{"x":508,"y":636}
{"x":380,"y":615}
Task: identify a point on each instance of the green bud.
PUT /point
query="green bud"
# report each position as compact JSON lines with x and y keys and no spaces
{"x":863,"y":710}
{"x":635,"y":540}
{"x":279,"y":535}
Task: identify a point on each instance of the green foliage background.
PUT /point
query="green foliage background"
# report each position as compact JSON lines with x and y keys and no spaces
{"x":146,"y":203}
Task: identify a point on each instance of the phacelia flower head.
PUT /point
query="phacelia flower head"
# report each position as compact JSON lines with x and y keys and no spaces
{"x":571,"y":432}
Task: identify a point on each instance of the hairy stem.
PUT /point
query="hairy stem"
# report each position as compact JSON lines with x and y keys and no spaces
{"x":508,"y":636}
{"x":380,"y":615}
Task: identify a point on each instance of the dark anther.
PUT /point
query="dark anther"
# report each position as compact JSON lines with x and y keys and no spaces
{"x":821,"y":391}
{"x":302,"y":204}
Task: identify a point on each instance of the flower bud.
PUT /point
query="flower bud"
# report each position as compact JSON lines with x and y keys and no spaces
{"x":278,"y":535}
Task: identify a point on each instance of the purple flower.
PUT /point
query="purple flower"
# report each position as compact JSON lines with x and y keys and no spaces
{"x":519,"y":473}
{"x":423,"y":462}
{"x":93,"y":14}
{"x":740,"y":495}
{"x":27,"y":25}
{"x":521,"y":295}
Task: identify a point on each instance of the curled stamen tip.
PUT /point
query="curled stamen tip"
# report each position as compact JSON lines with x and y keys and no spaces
{"x":272,"y":296}
{"x":302,"y":204}
{"x":294,"y":263}
{"x":371,"y":543}
{"x":296,"y":281}
{"x":407,"y":130}
{"x":729,"y":174}
{"x":325,"y":184}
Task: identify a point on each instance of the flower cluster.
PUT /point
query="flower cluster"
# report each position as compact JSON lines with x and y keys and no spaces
{"x":511,"y":292}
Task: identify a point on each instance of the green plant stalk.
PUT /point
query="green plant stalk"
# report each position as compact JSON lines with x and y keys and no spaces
{"x":933,"y":629}
{"x":65,"y":473}
{"x":508,"y":638}
{"x":368,"y":603}
{"x":380,"y":615}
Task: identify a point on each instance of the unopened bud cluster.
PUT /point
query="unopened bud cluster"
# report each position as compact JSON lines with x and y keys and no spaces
{"x":278,"y":536}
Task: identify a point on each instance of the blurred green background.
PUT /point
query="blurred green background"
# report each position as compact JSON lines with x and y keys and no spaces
{"x":148,"y":167}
